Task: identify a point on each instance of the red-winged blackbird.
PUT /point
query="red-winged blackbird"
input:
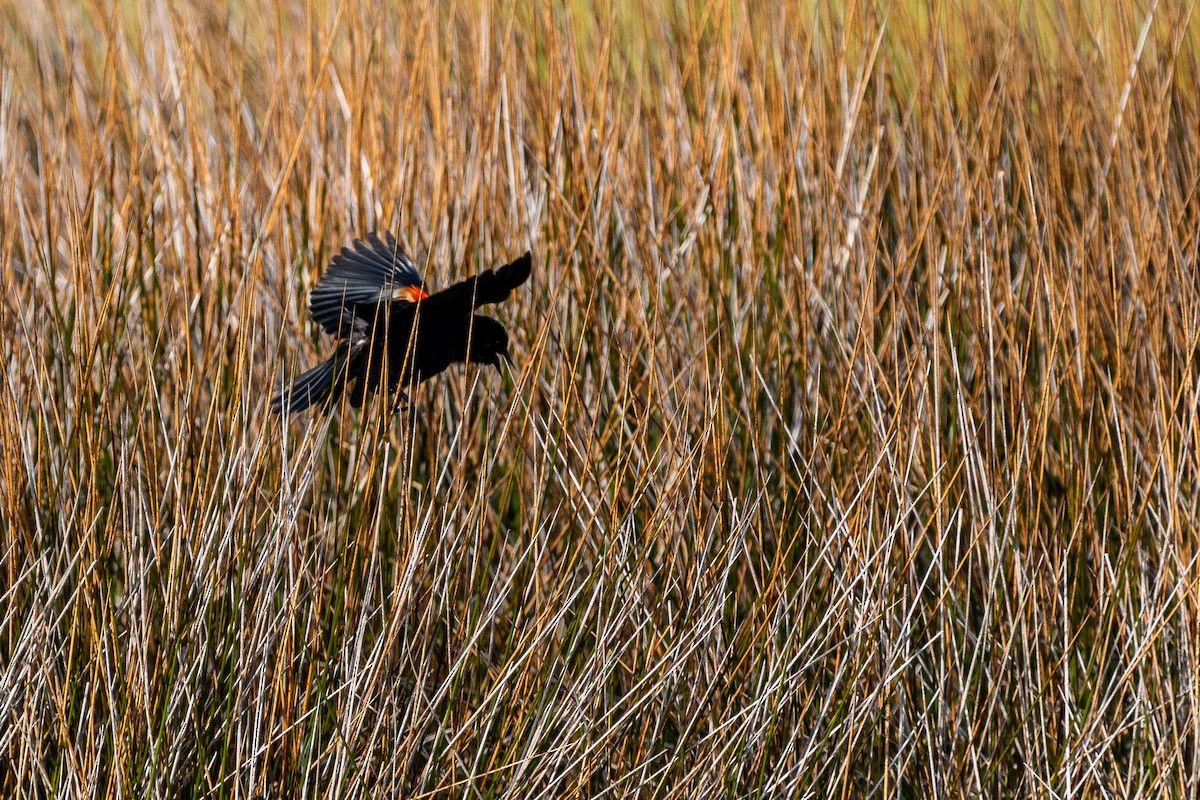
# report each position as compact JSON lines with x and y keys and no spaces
{"x":390,"y":330}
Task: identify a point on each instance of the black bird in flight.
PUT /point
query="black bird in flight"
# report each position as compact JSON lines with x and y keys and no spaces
{"x":391,"y":331}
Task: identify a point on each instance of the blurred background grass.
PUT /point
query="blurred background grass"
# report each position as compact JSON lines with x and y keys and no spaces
{"x":851,"y":446}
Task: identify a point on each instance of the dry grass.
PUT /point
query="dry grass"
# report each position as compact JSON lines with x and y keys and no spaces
{"x":852,"y":449}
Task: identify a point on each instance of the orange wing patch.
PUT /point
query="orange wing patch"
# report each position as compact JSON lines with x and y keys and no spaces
{"x":410,"y":293}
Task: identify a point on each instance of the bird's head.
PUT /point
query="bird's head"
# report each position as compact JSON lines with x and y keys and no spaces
{"x":489,"y":342}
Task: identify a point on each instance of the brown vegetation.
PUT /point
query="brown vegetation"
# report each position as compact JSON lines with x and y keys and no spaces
{"x":852,"y":448}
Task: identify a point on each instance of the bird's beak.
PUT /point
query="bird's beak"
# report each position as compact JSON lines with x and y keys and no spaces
{"x":504,"y":354}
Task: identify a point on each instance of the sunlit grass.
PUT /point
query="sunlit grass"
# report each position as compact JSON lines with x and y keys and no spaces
{"x":850,"y":447}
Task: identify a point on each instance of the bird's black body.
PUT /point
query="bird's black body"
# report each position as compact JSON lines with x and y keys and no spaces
{"x":392,"y":333}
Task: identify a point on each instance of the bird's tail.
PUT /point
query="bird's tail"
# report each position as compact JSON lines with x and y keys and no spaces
{"x":315,"y":386}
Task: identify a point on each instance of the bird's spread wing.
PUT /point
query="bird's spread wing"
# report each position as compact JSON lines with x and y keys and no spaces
{"x":504,"y":280}
{"x":489,"y":286}
{"x":373,"y":272}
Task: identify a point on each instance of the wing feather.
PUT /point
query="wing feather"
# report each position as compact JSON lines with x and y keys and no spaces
{"x":358,"y":280}
{"x":489,"y":286}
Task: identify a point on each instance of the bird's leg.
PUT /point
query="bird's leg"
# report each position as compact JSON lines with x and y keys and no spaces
{"x":359,"y":393}
{"x":400,"y":403}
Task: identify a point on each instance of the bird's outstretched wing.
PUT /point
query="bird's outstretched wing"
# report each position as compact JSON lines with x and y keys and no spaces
{"x":359,"y":280}
{"x":489,"y":286}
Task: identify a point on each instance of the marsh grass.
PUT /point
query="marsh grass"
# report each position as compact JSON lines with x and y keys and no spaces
{"x":851,"y":447}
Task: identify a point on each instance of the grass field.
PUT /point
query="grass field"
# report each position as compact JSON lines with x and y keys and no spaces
{"x":852,"y":447}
